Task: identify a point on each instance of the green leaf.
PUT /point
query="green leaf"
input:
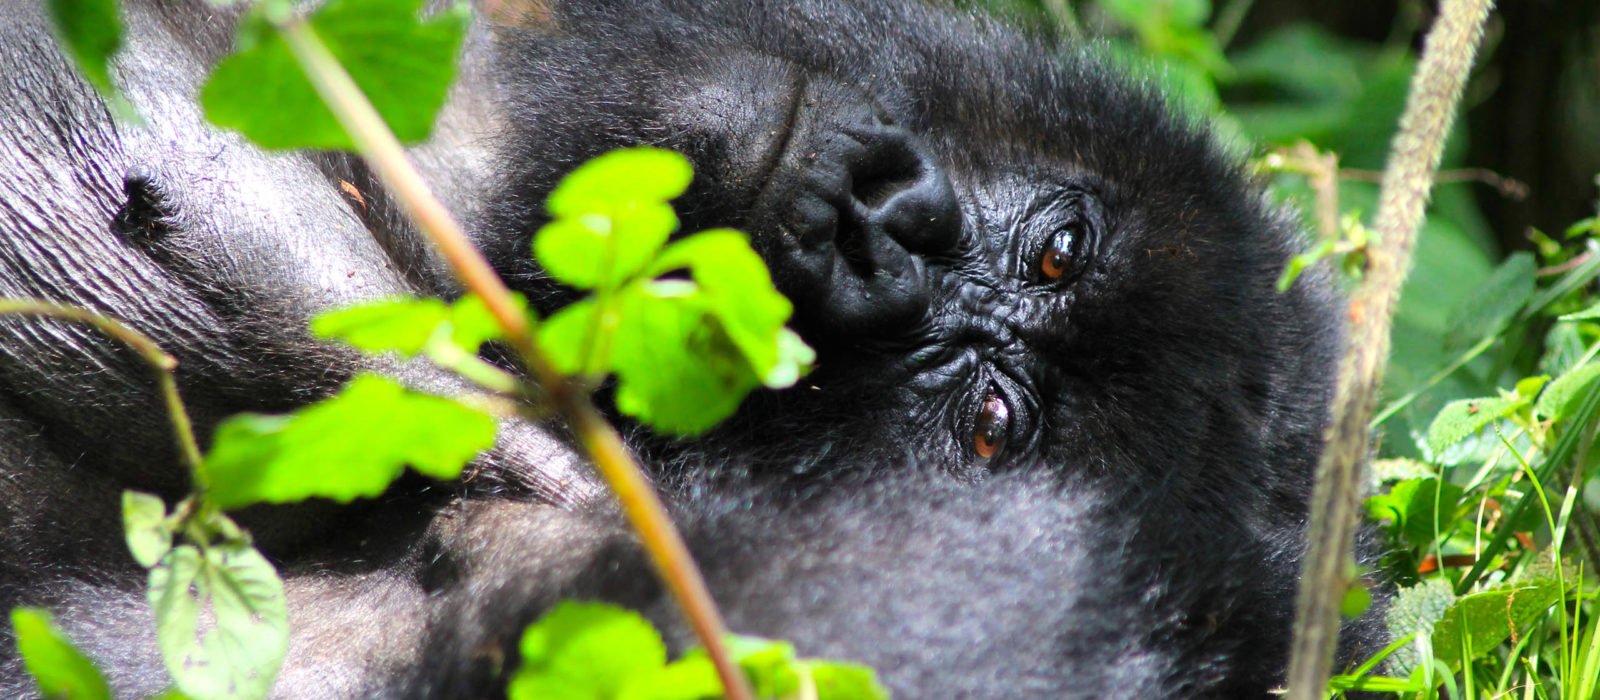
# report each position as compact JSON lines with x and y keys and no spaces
{"x":401,"y":324}
{"x":677,"y":369}
{"x":565,"y":340}
{"x":50,"y":657}
{"x":690,"y":678}
{"x":146,"y":527}
{"x":585,"y":650}
{"x":1493,"y":303}
{"x":619,"y":179}
{"x":736,"y":288}
{"x":599,"y":251}
{"x":1383,"y":471}
{"x":402,"y":63}
{"x":1357,"y":600}
{"x":1529,"y":387}
{"x":1458,"y":420}
{"x":91,"y":32}
{"x":1584,"y":315}
{"x":1562,"y":396}
{"x":1415,"y":610}
{"x":837,"y":680}
{"x":1479,"y":622}
{"x":347,"y":446}
{"x":240,"y":655}
{"x":770,"y":665}
{"x":1420,"y":509}
{"x":611,"y":216}
{"x":471,"y":324}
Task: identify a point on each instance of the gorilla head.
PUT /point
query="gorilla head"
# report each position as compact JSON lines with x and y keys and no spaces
{"x":1006,"y":256}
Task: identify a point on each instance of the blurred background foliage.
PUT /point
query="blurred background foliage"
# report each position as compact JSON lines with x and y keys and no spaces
{"x":1485,"y":496}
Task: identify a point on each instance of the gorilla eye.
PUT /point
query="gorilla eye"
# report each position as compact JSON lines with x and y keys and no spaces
{"x":989,"y":431}
{"x":1061,"y":255}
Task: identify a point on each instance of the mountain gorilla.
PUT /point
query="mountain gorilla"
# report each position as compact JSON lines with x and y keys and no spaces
{"x":1058,"y":442}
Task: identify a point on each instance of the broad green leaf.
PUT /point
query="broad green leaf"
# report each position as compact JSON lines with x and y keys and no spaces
{"x":838,"y":680}
{"x":736,"y":287}
{"x":677,"y":369}
{"x":1492,"y":304}
{"x":401,"y":324}
{"x":770,"y":664}
{"x":565,"y":338}
{"x":60,"y":670}
{"x":1563,"y":396}
{"x":145,"y":525}
{"x":1460,"y":419}
{"x":772,"y":668}
{"x":402,"y":63}
{"x":619,"y":179}
{"x":1415,"y":610}
{"x":1481,"y":621}
{"x":239,"y":655}
{"x":602,"y":251}
{"x":471,"y":324}
{"x":611,"y":217}
{"x":348,"y":446}
{"x":583,"y":651}
{"x":1414,"y":506}
{"x":690,"y":678}
{"x":91,"y":32}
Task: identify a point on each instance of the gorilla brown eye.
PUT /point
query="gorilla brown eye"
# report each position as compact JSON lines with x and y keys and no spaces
{"x":989,"y":432}
{"x":1061,"y":254}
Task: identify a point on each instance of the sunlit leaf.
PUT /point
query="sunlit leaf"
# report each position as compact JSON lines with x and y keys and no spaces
{"x":401,"y":62}
{"x":1563,"y":396}
{"x":91,"y":32}
{"x":585,"y":651}
{"x":401,"y":325}
{"x":60,"y":670}
{"x":350,"y":445}
{"x":239,"y":655}
{"x":1460,"y":419}
{"x":145,"y":525}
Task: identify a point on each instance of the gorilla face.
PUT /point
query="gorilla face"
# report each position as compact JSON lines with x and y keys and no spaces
{"x":1005,"y":256}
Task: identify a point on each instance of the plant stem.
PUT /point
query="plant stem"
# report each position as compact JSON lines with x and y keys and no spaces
{"x":147,"y":349}
{"x":1430,"y":108}
{"x":611,"y":458}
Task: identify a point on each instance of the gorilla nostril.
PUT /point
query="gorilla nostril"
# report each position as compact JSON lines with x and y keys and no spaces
{"x":902,"y":193}
{"x":886,"y":175}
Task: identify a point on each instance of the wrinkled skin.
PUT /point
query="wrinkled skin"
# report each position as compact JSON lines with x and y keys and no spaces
{"x":1014,"y":472}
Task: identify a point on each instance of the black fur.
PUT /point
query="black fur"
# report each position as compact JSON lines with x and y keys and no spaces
{"x":900,"y":166}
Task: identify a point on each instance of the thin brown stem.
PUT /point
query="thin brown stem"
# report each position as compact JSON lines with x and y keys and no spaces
{"x":1430,"y":108}
{"x":147,"y":349}
{"x":1508,"y":187}
{"x":640,"y":503}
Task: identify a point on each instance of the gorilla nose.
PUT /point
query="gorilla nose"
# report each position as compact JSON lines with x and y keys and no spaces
{"x":899,"y":191}
{"x":871,"y":202}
